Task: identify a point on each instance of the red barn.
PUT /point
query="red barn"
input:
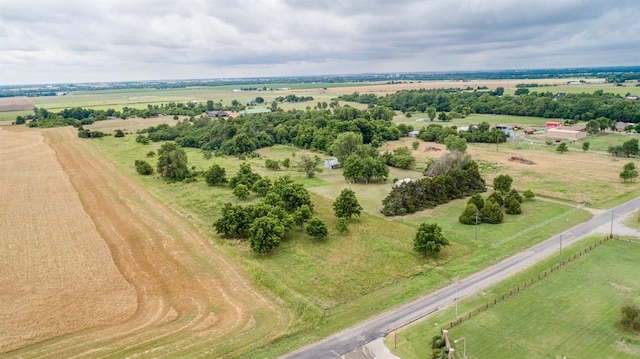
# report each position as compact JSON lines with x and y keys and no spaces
{"x":550,"y":124}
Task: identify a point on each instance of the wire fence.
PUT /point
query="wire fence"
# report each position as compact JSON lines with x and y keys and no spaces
{"x":534,"y":227}
{"x":525,"y":285}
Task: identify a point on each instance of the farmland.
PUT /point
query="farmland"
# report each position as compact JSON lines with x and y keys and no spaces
{"x":555,"y":317}
{"x":197,"y":294}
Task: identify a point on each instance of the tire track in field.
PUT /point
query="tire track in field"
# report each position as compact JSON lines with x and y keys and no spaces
{"x":192,"y":299}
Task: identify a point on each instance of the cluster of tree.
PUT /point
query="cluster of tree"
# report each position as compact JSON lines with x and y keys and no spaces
{"x":285,"y":205}
{"x":482,"y":133}
{"x":77,"y":116}
{"x":581,"y":106}
{"x":293,"y":98}
{"x":627,"y":149}
{"x":360,"y":161}
{"x":310,"y":129}
{"x":143,"y":167}
{"x":479,"y":210}
{"x":400,"y":158}
{"x":83,"y":133}
{"x":460,"y":177}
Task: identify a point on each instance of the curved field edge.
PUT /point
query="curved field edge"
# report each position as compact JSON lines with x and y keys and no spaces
{"x":336,"y":283}
{"x":193,"y":301}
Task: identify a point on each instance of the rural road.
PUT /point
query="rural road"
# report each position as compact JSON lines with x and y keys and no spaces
{"x":375,"y":328}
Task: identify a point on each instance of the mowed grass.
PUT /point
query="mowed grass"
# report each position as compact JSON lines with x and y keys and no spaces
{"x":344,"y":279}
{"x":573,"y":313}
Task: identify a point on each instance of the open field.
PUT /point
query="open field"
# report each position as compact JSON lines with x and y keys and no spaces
{"x":15,"y":104}
{"x":179,"y":296}
{"x":573,"y":313}
{"x":57,"y":275}
{"x":336,"y":288}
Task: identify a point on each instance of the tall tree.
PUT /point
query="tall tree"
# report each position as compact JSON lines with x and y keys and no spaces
{"x":502,"y":183}
{"x":266,"y":233}
{"x":345,"y":145}
{"x":431,"y":112}
{"x":310,"y":165}
{"x":346,"y":205}
{"x":172,"y":162}
{"x":629,"y":172}
{"x":429,"y":240}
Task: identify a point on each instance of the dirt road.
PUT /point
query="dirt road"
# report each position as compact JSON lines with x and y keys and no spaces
{"x":191,"y":299}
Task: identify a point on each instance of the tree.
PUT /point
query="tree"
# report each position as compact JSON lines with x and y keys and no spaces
{"x":431,"y":112}
{"x":562,"y":147}
{"x":528,"y":194}
{"x":415,"y":145}
{"x":476,"y":200}
{"x":309,"y":165}
{"x":241,"y":191}
{"x":119,"y":133}
{"x":346,"y":205}
{"x":215,"y":175}
{"x":286,"y":163}
{"x":512,"y":206}
{"x":585,"y":146}
{"x":259,"y":99}
{"x":630,"y":317}
{"x":502,"y":183}
{"x":513,"y":194}
{"x":443,"y":116}
{"x":499,"y":91}
{"x":244,"y":176}
{"x":342,"y":225}
{"x":317,"y":228}
{"x":266,"y":233}
{"x":302,"y":215}
{"x":288,"y":194}
{"x":345,"y":145}
{"x":271,"y":164}
{"x":456,"y":143}
{"x":495,"y":197}
{"x":143,"y":167}
{"x":491,"y":213}
{"x":630,"y":147}
{"x":172,"y":162}
{"x":429,"y":240}
{"x":261,"y":187}
{"x":470,"y":214}
{"x":629,"y":172}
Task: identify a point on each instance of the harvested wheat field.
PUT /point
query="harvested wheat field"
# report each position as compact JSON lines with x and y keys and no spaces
{"x":96,"y":266}
{"x":16,"y":103}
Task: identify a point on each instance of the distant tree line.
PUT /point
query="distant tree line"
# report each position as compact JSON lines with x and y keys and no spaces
{"x":572,"y":107}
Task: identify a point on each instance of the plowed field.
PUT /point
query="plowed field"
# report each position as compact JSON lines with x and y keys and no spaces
{"x":93,"y":265}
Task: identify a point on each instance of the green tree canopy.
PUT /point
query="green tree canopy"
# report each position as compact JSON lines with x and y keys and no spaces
{"x":266,"y":233}
{"x":502,"y":183}
{"x":143,"y":167}
{"x":317,"y":228}
{"x":562,"y":147}
{"x":455,"y":143}
{"x":345,"y":145}
{"x":172,"y":162}
{"x":491,"y":212}
{"x":629,"y":172}
{"x":471,"y":215}
{"x":215,"y":175}
{"x":346,"y":205}
{"x":429,"y":240}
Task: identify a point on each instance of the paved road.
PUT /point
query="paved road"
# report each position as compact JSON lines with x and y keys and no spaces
{"x":379,"y":326}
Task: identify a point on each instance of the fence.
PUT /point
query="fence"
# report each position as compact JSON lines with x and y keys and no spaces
{"x":524,"y":286}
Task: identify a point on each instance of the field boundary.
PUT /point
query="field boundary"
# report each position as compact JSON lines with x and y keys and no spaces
{"x":527,"y":284}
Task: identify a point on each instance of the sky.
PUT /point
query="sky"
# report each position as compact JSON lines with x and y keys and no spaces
{"x":62,"y":41}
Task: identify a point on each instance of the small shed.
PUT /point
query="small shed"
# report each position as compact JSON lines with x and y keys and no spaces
{"x":551,"y":124}
{"x":413,"y":133}
{"x":331,"y":163}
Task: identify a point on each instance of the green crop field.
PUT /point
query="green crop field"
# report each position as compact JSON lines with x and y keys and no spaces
{"x":573,"y":313}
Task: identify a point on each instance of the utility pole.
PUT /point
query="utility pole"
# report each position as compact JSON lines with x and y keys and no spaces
{"x":560,"y":247}
{"x":611,"y":231}
{"x":475,"y":231}
{"x":455,"y":279}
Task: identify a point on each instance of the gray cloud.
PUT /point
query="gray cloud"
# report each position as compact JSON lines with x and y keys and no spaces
{"x":115,"y":40}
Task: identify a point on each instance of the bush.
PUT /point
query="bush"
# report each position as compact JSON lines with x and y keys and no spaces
{"x":491,"y":213}
{"x":151,"y":154}
{"x":215,"y":175}
{"x":630,"y":317}
{"x":271,"y":164}
{"x":241,"y":191}
{"x":119,"y":133}
{"x":512,"y":206}
{"x":497,"y":198}
{"x":317,"y":228}
{"x":470,"y":214}
{"x":143,"y":168}
{"x":342,"y":225}
{"x":528,"y":194}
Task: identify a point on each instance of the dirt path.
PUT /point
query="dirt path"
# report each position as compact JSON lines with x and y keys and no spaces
{"x":192,"y":300}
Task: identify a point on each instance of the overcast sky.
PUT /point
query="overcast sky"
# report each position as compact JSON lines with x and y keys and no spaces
{"x":52,"y":41}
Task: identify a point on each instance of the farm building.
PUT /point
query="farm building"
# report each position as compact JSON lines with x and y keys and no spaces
{"x":622,"y":126}
{"x":331,"y":163}
{"x":508,"y":130}
{"x":218,"y":114}
{"x":562,"y":133}
{"x":550,"y":124}
{"x":251,"y":111}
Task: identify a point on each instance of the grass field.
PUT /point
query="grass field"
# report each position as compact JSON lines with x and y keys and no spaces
{"x":573,"y":313}
{"x":334,"y":287}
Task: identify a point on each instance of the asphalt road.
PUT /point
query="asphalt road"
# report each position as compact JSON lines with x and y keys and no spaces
{"x":379,"y":326}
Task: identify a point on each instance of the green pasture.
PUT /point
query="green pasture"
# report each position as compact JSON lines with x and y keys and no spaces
{"x":573,"y":313}
{"x":346,"y":278}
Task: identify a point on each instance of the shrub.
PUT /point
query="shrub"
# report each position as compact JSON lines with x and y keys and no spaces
{"x":317,"y":228}
{"x":241,"y":191}
{"x":143,"y":168}
{"x":528,"y":194}
{"x":342,"y":225}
